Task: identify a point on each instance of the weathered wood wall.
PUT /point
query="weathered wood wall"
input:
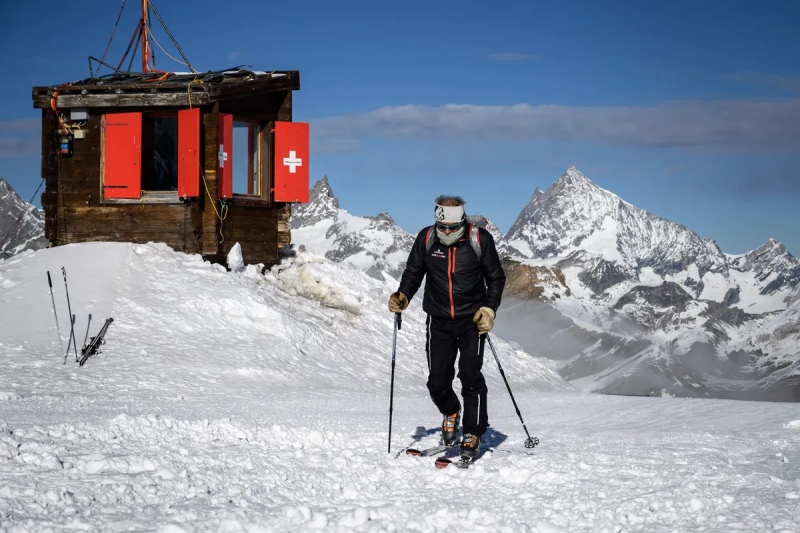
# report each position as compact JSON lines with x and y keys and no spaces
{"x":74,"y":211}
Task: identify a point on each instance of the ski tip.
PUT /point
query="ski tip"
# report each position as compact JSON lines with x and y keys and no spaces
{"x":443,"y":462}
{"x":414,"y":452}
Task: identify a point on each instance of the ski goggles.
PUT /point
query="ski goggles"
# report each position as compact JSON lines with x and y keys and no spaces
{"x":449,"y":227}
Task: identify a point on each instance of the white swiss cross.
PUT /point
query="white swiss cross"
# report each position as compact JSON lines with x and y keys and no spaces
{"x":223,"y":155}
{"x":292,"y":162}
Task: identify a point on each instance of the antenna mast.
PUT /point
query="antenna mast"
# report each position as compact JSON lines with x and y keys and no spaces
{"x":144,"y":39}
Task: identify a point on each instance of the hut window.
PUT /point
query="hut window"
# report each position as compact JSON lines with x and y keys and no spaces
{"x":246,"y":158}
{"x":151,"y":152}
{"x":160,"y":152}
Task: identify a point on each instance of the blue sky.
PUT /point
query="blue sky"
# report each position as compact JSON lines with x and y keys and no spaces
{"x":688,"y":109}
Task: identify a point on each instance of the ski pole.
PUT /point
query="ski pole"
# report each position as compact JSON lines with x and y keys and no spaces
{"x":72,"y":325}
{"x":398,"y":321}
{"x":530,"y":442}
{"x":71,"y":337}
{"x":86,"y":337}
{"x":55,"y":314}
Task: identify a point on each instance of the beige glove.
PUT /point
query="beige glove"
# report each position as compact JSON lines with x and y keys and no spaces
{"x":397,"y":302}
{"x":484,"y":319}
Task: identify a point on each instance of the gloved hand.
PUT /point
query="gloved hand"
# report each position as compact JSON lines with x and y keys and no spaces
{"x":484,"y":319}
{"x":397,"y":302}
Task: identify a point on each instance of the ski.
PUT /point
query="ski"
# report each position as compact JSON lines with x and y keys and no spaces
{"x":94,"y":345}
{"x":428,"y":452}
{"x":444,"y":462}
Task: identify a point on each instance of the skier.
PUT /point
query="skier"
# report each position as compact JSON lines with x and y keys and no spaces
{"x":464,"y":284}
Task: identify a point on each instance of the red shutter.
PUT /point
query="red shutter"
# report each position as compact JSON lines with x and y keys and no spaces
{"x":188,"y":152}
{"x":291,"y":162}
{"x":122,"y":156}
{"x":225,"y":172}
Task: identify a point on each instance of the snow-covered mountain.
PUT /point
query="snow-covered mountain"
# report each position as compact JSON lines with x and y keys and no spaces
{"x":21,"y":224}
{"x":376,"y":244}
{"x":322,"y":205}
{"x":631,"y":302}
{"x":699,"y":312}
{"x":612,"y":246}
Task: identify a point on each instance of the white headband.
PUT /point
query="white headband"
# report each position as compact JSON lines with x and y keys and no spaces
{"x":447,"y":213}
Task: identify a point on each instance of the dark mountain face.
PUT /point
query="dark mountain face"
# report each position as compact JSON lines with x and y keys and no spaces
{"x":21,"y":224}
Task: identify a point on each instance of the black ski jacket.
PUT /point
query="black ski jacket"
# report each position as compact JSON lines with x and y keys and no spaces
{"x":457,"y":282}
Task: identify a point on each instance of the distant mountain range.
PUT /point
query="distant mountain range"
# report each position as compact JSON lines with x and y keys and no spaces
{"x":627,"y":302}
{"x":21,"y":224}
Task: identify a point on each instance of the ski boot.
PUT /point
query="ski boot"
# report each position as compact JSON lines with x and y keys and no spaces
{"x":450,"y":428}
{"x":470,"y":445}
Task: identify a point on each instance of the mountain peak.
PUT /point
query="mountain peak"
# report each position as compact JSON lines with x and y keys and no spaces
{"x":767,"y":254}
{"x":573,"y":178}
{"x":322,"y":205}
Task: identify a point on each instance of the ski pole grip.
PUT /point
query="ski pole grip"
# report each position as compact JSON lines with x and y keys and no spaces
{"x":398,"y":316}
{"x":49,"y":281}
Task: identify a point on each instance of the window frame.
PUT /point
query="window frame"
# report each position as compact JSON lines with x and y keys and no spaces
{"x":127,"y":142}
{"x":264,"y":166}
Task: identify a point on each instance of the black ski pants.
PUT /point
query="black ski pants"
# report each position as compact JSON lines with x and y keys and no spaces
{"x":447,"y":338}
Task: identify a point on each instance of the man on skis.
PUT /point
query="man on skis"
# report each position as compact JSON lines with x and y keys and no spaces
{"x":464,"y":284}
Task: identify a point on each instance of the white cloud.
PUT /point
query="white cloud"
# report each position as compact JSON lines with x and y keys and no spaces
{"x":14,"y":147}
{"x":511,"y":56}
{"x":22,"y":125}
{"x":785,"y":83}
{"x":725,"y":125}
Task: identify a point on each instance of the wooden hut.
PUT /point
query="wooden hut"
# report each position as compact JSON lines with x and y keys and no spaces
{"x":198,"y":161}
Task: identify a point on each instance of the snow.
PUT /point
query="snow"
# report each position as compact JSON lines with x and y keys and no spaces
{"x":314,"y":237}
{"x":603,"y":241}
{"x":247,"y":402}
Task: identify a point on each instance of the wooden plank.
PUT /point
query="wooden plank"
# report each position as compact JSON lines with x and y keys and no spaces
{"x":153,"y":212}
{"x":261,"y":211}
{"x":225,"y":91}
{"x":189,"y":246}
{"x":259,"y":236}
{"x":69,"y":101}
{"x":285,"y":110}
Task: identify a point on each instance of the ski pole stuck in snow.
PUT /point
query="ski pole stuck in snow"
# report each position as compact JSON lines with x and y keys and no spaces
{"x":530,"y":442}
{"x":55,"y":314}
{"x":72,"y":322}
{"x":86,"y":336}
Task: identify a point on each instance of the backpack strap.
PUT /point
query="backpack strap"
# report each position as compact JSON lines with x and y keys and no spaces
{"x":474,"y":239}
{"x":428,"y":240}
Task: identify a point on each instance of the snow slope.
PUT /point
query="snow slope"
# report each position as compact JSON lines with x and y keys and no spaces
{"x":236,"y":402}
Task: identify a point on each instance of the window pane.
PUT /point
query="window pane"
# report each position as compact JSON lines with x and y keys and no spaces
{"x":246,"y":159}
{"x":160,"y":153}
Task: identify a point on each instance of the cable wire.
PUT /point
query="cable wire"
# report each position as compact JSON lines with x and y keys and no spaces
{"x":108,"y":46}
{"x":153,"y":37}
{"x":172,"y":37}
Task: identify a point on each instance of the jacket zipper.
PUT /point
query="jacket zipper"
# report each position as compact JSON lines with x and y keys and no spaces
{"x":451,"y":268}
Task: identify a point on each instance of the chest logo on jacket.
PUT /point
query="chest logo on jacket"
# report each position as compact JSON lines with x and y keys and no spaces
{"x":438,"y":254}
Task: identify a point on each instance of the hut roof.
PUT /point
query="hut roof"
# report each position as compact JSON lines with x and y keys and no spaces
{"x":165,"y":88}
